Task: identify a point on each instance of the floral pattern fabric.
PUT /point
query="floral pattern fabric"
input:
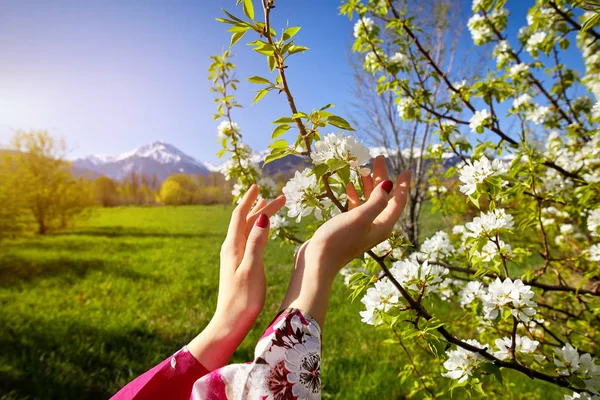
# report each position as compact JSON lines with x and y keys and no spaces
{"x":286,"y":365}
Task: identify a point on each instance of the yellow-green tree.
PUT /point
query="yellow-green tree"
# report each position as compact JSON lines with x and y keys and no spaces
{"x":12,"y":207}
{"x":45,"y":182}
{"x":106,"y":192}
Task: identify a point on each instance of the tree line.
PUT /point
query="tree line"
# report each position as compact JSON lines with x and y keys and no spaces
{"x":40,"y":193}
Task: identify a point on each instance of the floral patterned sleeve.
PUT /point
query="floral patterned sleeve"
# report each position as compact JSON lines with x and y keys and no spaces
{"x":286,"y":365}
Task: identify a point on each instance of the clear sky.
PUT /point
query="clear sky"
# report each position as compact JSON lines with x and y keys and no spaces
{"x":112,"y":75}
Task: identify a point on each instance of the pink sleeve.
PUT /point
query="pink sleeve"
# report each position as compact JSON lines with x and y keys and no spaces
{"x":171,"y":379}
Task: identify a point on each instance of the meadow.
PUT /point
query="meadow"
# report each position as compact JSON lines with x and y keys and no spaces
{"x":85,"y":311}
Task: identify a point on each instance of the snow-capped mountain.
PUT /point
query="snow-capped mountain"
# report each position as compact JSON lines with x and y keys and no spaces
{"x":158,"y":158}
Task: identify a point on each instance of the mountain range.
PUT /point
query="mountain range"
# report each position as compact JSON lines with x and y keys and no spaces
{"x":163,"y":159}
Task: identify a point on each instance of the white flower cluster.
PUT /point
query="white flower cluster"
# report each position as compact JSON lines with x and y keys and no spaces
{"x":364,"y":26}
{"x":523,"y":345}
{"x":534,"y":43}
{"x":342,"y":148}
{"x":573,"y":156}
{"x":240,"y":163}
{"x":593,"y":222}
{"x":382,"y":248}
{"x":379,"y":298}
{"x":481,"y":31}
{"x":399,"y":60}
{"x":537,"y":114}
{"x":514,"y":295}
{"x":479,"y":120}
{"x":569,"y":362}
{"x":518,"y":70}
{"x":471,"y":291}
{"x":521,"y":101}
{"x":415,"y":276}
{"x":227,"y":129}
{"x":488,"y":224}
{"x":474,"y":173}
{"x":490,"y":250}
{"x":461,"y":363}
{"x":404,"y":107}
{"x":278,"y":222}
{"x":502,"y":53}
{"x":596,"y":110}
{"x":300,"y":193}
{"x":372,"y":63}
{"x":590,"y":49}
{"x":436,"y":247}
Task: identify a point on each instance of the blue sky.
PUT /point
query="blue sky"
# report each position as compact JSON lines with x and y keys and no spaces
{"x":113,"y":75}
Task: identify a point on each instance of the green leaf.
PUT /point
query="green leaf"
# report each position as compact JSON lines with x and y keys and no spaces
{"x":593,"y":20}
{"x":283,"y":120}
{"x":339,"y":122}
{"x":274,"y":156}
{"x":259,"y":80}
{"x":280,"y":130}
{"x":271,"y":61}
{"x":297,"y":49}
{"x":326,"y":107}
{"x":236,"y":37}
{"x":249,"y":9}
{"x":220,"y":153}
{"x":335,"y":164}
{"x":290,"y":32}
{"x":492,"y":369}
{"x":279,"y":144}
{"x":259,"y":95}
{"x":344,"y":173}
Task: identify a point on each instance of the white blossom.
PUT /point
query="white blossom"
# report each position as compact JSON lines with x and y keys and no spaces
{"x":490,"y":250}
{"x":522,"y":100}
{"x":474,"y":173}
{"x":278,"y":222}
{"x":472,"y":290}
{"x":362,"y":26}
{"x":537,"y":114}
{"x":399,"y":60}
{"x":227,"y":128}
{"x":593,"y":253}
{"x":342,"y":148}
{"x":566,"y":359}
{"x":372,"y":63}
{"x":461,"y":363}
{"x":415,"y":276}
{"x":299,"y":193}
{"x":534,"y":41}
{"x":403,"y":107}
{"x":596,"y":110}
{"x":480,"y":31}
{"x":502,"y":52}
{"x":488,"y":224}
{"x":479,"y":120}
{"x":523,"y":345}
{"x":381,"y":297}
{"x":518,"y":69}
{"x":593,"y":222}
{"x":514,"y":295}
{"x":382,"y":248}
{"x":582,"y":396}
{"x":437,"y":247}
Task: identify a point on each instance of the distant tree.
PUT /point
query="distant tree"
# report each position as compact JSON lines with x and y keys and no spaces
{"x":106,"y":192}
{"x":44,"y":180}
{"x":13,"y":211}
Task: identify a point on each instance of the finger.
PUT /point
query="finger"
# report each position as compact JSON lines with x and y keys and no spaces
{"x":367,"y":182}
{"x":260,"y":204}
{"x":380,"y":172}
{"x":393,"y":211}
{"x":353,"y":199}
{"x":377,"y":202}
{"x":270,"y":209}
{"x":257,"y":240}
{"x":238,"y":217}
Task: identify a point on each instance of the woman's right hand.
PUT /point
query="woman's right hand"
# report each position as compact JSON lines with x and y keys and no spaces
{"x":345,"y":237}
{"x":348,"y":235}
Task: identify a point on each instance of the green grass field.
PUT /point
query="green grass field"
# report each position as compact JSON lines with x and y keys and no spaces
{"x":85,"y":311}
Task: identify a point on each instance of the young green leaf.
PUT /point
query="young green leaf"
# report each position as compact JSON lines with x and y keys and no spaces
{"x":259,"y":80}
{"x":259,"y":95}
{"x":279,"y":144}
{"x":339,"y":122}
{"x":290,"y":32}
{"x":280,"y":130}
{"x":236,"y":37}
{"x":249,"y":9}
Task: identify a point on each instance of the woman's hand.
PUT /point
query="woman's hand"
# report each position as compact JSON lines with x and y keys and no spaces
{"x":242,"y":284}
{"x":345,"y":237}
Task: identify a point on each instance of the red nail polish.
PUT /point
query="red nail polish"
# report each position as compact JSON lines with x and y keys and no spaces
{"x":387,"y":186}
{"x":262,"y":221}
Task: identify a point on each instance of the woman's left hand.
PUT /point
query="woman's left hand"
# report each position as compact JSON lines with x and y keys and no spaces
{"x":242,"y":283}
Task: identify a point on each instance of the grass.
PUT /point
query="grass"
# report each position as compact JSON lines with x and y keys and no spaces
{"x":83,"y":312}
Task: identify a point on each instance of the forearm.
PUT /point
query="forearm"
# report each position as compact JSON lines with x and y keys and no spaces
{"x":215,"y":345}
{"x":310,"y":287}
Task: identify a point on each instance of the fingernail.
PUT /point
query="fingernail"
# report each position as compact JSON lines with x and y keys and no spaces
{"x":262,"y":221}
{"x":387,"y":186}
